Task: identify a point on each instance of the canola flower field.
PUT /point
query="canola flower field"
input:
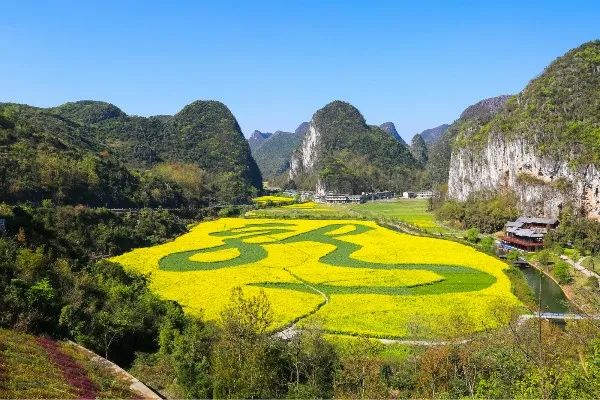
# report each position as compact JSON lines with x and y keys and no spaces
{"x":276,"y":200}
{"x":353,"y":276}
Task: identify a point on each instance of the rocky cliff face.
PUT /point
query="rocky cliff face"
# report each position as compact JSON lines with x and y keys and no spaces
{"x":341,"y":153}
{"x":390,"y":128}
{"x":543,"y":145}
{"x":542,"y":184}
{"x":303,"y":160}
{"x":472,"y":118}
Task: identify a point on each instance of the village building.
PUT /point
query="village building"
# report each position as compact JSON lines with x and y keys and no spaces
{"x":379,"y":195}
{"x":356,"y":198}
{"x":426,"y":194}
{"x":527,"y":233}
{"x":336,"y":198}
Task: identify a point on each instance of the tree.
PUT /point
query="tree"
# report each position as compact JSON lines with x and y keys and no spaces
{"x":313,"y":365}
{"x":191,"y":355}
{"x":544,"y":257}
{"x":243,"y":364}
{"x":472,"y":235}
{"x":360,"y":373}
{"x":487,"y":243}
{"x":562,"y":271}
{"x":513,"y":256}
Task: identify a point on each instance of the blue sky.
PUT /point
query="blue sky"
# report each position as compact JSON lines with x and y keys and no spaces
{"x":418,"y":64}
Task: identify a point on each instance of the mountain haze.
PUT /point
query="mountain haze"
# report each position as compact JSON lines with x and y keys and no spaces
{"x":273,"y":154}
{"x":433,"y":134}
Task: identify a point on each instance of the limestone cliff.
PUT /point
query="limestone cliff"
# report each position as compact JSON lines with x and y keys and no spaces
{"x":543,"y":145}
{"x":340,"y":152}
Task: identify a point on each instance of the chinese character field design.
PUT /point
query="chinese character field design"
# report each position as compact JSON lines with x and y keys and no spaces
{"x":354,"y":277}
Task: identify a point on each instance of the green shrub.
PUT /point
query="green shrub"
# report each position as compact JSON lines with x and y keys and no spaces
{"x":472,"y":235}
{"x":562,"y":272}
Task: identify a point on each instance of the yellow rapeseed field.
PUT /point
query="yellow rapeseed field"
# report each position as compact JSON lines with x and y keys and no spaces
{"x":273,"y":199}
{"x":361,"y":278}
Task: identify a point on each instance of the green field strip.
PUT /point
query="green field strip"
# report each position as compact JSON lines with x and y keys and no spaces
{"x":454,"y":278}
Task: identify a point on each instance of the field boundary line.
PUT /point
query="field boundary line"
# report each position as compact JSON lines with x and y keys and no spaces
{"x":136,"y":385}
{"x":290,"y":330}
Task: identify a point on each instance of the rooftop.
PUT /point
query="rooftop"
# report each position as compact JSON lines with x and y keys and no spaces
{"x":537,"y":220}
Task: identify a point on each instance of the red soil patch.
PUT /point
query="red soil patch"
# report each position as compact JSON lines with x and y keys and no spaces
{"x":3,"y":377}
{"x":73,"y":372}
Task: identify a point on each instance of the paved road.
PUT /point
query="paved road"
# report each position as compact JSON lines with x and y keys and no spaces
{"x":577,"y":265}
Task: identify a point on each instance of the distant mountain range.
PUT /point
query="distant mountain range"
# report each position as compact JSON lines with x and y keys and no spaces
{"x":272,"y":152}
{"x":541,"y":144}
{"x":433,"y":134}
{"x":257,"y":138}
{"x":390,"y":128}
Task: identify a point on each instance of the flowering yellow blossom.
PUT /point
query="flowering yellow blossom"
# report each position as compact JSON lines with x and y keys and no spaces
{"x":360,"y":277}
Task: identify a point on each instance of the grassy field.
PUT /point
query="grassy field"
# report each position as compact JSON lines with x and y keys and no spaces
{"x":353,"y":276}
{"x":37,"y":367}
{"x":309,"y":210}
{"x":411,"y":211}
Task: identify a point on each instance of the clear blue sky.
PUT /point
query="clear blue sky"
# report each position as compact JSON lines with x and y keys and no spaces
{"x":418,"y":64}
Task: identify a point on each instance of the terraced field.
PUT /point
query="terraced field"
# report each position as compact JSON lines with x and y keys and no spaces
{"x":354,"y":276}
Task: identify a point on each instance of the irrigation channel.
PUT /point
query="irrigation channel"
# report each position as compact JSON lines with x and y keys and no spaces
{"x":553,"y":299}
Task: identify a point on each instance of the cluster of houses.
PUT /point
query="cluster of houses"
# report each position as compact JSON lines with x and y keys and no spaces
{"x":426,"y":194}
{"x":304,"y":195}
{"x":527,"y":233}
{"x":341,"y":198}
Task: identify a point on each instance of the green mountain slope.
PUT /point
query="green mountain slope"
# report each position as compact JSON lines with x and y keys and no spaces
{"x":419,"y":149}
{"x":343,"y":153}
{"x":204,"y":133}
{"x":559,"y":110}
{"x":273,"y":155}
{"x":92,"y":153}
{"x":47,"y":156}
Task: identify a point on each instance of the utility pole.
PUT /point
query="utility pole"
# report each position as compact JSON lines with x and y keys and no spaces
{"x":540,"y":350}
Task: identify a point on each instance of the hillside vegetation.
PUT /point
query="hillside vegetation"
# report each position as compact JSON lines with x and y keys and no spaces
{"x":351,"y":156}
{"x":559,"y":111}
{"x":39,"y":367}
{"x":92,"y":153}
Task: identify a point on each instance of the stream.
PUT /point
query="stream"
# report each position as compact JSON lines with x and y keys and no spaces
{"x":553,"y":298}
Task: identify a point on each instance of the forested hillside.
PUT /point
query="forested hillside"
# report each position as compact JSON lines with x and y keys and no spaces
{"x":273,"y":155}
{"x":543,"y":144}
{"x":345,"y":154}
{"x":93,"y":153}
